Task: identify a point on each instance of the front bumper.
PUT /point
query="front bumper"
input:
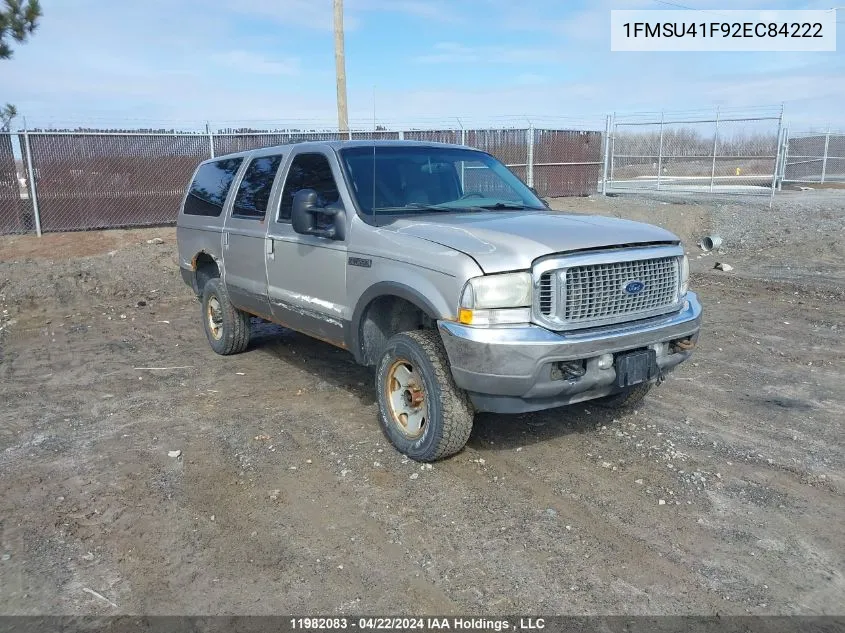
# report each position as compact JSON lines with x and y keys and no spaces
{"x":509,"y":369}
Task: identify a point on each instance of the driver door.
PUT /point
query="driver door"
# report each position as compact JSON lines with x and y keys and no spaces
{"x":306,"y":274}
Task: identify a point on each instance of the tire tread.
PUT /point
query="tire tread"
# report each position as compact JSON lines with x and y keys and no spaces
{"x":237,"y":324}
{"x":456,"y":407}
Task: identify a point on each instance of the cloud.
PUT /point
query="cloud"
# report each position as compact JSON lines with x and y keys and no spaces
{"x":319,"y":14}
{"x":312,"y":14}
{"x":256,"y":63}
{"x":430,"y":9}
{"x":453,"y":52}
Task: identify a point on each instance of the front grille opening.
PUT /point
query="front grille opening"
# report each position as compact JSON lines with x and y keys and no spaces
{"x":547,"y":293}
{"x":598,"y":291}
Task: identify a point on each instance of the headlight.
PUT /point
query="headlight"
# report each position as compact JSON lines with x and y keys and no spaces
{"x":684,"y":275}
{"x":496,"y":300}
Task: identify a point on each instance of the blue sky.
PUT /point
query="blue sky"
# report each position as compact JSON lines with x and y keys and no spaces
{"x":429,"y":62}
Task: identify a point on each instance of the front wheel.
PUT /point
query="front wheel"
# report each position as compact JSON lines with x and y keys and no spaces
{"x":421,"y":410}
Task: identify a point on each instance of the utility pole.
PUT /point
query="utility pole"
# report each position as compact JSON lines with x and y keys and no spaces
{"x":340,"y":68}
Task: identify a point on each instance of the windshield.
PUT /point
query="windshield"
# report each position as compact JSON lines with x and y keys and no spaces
{"x":413,"y":180}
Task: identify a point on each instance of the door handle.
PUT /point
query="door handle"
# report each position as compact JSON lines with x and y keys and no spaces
{"x":269,"y":248}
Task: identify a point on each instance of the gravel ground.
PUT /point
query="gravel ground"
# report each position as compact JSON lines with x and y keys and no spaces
{"x":722,"y":493}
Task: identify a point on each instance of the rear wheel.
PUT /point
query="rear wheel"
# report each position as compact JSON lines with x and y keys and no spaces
{"x":421,"y":410}
{"x":226,"y":327}
{"x":627,"y":398}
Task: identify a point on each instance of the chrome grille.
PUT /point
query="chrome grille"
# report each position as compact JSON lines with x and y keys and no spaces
{"x":597,"y":292}
{"x":547,"y":294}
{"x":593,"y":289}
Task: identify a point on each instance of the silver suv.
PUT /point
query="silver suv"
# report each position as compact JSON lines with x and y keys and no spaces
{"x":435,"y":265}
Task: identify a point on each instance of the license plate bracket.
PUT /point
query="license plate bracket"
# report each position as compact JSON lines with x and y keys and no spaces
{"x":633,"y":368}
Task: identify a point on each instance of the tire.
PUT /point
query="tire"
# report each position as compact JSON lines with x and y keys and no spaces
{"x":230,"y":335}
{"x":627,"y":398}
{"x":445,"y":424}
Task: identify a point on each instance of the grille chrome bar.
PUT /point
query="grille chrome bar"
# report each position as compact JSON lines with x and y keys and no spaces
{"x":586,"y":290}
{"x":546,"y":302}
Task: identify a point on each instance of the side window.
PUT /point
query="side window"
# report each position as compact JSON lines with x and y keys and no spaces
{"x":210,"y":187}
{"x":254,"y":190}
{"x":309,"y":171}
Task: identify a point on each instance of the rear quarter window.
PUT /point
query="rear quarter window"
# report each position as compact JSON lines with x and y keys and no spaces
{"x":210,"y":186}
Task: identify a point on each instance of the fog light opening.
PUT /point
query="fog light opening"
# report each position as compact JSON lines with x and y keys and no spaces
{"x":605,"y":361}
{"x":682,"y":345}
{"x":568,"y":370}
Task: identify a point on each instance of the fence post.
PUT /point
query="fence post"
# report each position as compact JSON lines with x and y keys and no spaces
{"x":210,"y":139}
{"x":33,"y":195}
{"x":613,"y":126}
{"x":777,"y":167}
{"x":784,"y":155}
{"x":463,"y":162}
{"x":529,"y":168}
{"x":824,"y":160}
{"x":715,"y":145}
{"x":606,"y":155}
{"x":660,"y":152}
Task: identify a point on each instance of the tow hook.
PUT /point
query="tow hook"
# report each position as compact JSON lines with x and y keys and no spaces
{"x":683,"y":345}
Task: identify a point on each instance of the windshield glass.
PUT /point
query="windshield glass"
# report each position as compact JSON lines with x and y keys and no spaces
{"x":413,"y":180}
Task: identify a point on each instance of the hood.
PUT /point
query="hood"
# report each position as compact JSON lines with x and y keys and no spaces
{"x":501,"y":241}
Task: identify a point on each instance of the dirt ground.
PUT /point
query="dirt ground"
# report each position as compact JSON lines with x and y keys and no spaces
{"x":723,"y":493}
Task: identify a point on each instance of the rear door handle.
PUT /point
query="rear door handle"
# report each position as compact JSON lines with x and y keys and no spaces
{"x":269,"y":248}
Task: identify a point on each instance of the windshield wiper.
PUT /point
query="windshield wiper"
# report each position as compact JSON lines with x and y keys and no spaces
{"x":504,"y":205}
{"x":416,"y":207}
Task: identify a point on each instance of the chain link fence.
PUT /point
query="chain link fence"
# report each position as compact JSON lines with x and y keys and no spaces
{"x":81,"y":180}
{"x":815,"y":158}
{"x":92,"y":179}
{"x":721,"y":153}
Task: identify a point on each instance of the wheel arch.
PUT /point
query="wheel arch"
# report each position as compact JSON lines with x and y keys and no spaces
{"x":204,"y":266}
{"x":385,"y":308}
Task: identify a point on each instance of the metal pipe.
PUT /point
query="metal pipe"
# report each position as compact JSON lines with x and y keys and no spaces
{"x":682,"y":121}
{"x":33,"y":194}
{"x":193,"y":134}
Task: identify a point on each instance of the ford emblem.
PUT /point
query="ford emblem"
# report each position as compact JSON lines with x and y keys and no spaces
{"x":634,"y":287}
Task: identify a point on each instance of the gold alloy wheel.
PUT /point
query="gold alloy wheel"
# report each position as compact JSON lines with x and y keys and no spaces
{"x":214,"y":314}
{"x":406,"y":401}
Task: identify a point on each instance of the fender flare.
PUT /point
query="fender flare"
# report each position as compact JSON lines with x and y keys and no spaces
{"x":381,"y":289}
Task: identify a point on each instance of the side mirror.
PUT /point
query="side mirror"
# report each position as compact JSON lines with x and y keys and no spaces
{"x":305,"y":213}
{"x":542,"y":199}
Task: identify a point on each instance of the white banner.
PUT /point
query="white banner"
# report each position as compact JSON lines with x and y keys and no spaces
{"x":722,"y":30}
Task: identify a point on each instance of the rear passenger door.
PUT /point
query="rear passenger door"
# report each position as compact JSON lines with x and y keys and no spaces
{"x":243,"y":236}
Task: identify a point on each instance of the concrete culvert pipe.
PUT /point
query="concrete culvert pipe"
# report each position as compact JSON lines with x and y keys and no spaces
{"x":709,"y":242}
